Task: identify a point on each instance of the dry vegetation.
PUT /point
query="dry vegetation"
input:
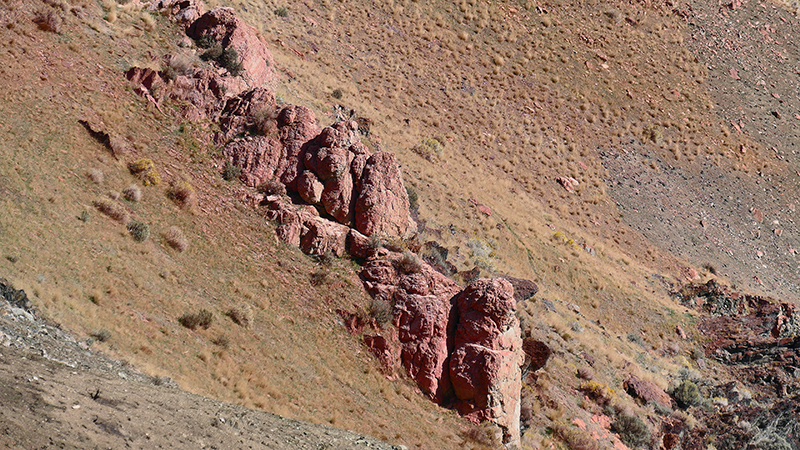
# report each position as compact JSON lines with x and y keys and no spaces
{"x":485,"y":101}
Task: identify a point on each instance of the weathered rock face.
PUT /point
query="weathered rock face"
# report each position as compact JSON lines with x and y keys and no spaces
{"x":221,"y":24}
{"x":241,"y":112}
{"x":259,"y":157}
{"x":183,"y":12}
{"x":423,"y":314}
{"x":382,"y":206}
{"x":297,"y":127}
{"x":485,"y":366}
{"x":647,"y":391}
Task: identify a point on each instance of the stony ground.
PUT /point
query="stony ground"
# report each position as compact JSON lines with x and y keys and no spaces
{"x":55,"y":392}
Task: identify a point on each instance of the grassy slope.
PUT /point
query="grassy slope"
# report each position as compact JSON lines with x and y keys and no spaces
{"x":518,"y":95}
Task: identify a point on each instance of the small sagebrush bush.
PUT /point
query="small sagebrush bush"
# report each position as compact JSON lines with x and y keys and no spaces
{"x":175,"y":238}
{"x":242,"y":316}
{"x":96,"y":175}
{"x":598,"y":392}
{"x":409,"y":263}
{"x":231,"y":171}
{"x":183,"y":194}
{"x":631,"y":429}
{"x":282,"y":11}
{"x":272,"y":187}
{"x":575,"y":438}
{"x":48,"y":21}
{"x":145,"y":170}
{"x":413,"y":198}
{"x":101,"y":335}
{"x":221,"y":341}
{"x":202,"y":319}
{"x":686,"y":394}
{"x":320,"y":277}
{"x":206,"y":41}
{"x":264,"y":121}
{"x":212,"y":53}
{"x":178,"y":65}
{"x":112,"y":209}
{"x":380,"y":310}
{"x":132,"y":193}
{"x":337,"y":94}
{"x":483,"y":436}
{"x":139,"y":230}
{"x":430,"y":149}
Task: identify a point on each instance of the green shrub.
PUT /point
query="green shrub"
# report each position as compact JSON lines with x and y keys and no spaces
{"x":230,"y":60}
{"x":631,"y":429}
{"x":206,"y":41}
{"x":139,"y":230}
{"x":430,"y":149}
{"x":202,"y":319}
{"x":282,"y":11}
{"x":413,"y":197}
{"x":212,"y":53}
{"x":337,"y":94}
{"x":686,"y":394}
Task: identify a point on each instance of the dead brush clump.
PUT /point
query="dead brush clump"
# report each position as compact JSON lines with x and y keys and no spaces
{"x":264,"y":121}
{"x":96,"y":175}
{"x":380,"y":310}
{"x":183,"y":194}
{"x":242,"y":315}
{"x":175,"y":238}
{"x":202,"y":319}
{"x":575,"y":438}
{"x":48,"y":21}
{"x":132,"y":193}
{"x":272,"y":187}
{"x":139,"y":230}
{"x":111,"y":209}
{"x":178,"y":65}
{"x":485,"y":436}
{"x":408,"y":263}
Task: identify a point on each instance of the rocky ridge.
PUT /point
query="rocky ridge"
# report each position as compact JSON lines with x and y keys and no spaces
{"x":462,"y":347}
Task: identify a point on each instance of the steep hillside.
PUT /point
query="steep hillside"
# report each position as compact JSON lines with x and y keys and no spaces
{"x":610,"y":152}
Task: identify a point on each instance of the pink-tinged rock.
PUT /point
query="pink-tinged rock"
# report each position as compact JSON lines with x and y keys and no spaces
{"x":297,"y":127}
{"x":241,"y":112}
{"x":258,"y":68}
{"x":357,"y":169}
{"x":342,"y":134}
{"x":324,"y":236}
{"x":423,"y":314}
{"x":202,"y":93}
{"x":568,"y":183}
{"x":259,"y":158}
{"x":485,"y":366}
{"x":359,"y":245}
{"x":328,"y":163}
{"x":647,"y":391}
{"x":146,"y":77}
{"x":183,"y":12}
{"x":523,"y":289}
{"x":353,"y":322}
{"x":337,"y":199}
{"x":332,"y":167}
{"x":423,"y":322}
{"x":385,"y":349}
{"x":382,"y":206}
{"x":309,"y":187}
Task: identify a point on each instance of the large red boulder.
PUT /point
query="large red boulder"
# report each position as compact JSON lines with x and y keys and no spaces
{"x":332,"y":167}
{"x":222,"y":25}
{"x":382,"y":206}
{"x":297,"y":127}
{"x":423,"y":314}
{"x":485,"y":366}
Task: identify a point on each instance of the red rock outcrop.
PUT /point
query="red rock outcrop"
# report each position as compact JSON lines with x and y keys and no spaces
{"x":647,"y":391}
{"x":485,"y":366}
{"x":423,"y":314}
{"x":222,"y":25}
{"x":183,"y":12}
{"x":382,"y":206}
